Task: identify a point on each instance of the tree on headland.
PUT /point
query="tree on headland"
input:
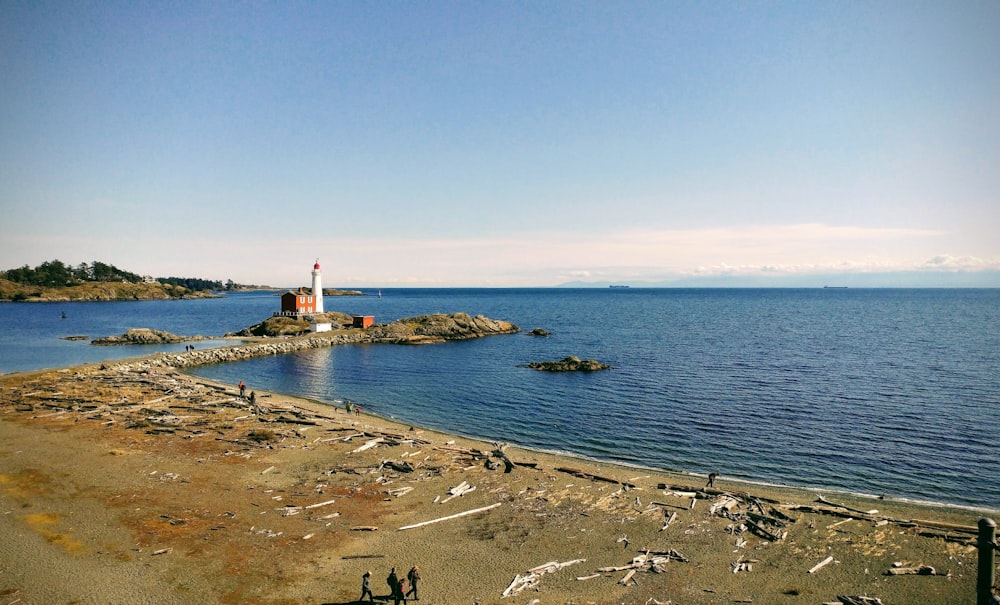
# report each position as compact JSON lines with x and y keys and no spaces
{"x":57,"y":274}
{"x":192,"y":283}
{"x":57,"y":281}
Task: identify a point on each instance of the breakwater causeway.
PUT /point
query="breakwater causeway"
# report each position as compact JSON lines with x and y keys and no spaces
{"x":421,"y":330}
{"x":230,"y":354}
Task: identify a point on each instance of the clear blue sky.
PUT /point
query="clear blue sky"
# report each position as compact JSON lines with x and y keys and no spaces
{"x":503,"y":143}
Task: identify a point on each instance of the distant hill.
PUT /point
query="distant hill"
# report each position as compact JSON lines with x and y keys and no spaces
{"x":96,"y":291}
{"x":57,"y":281}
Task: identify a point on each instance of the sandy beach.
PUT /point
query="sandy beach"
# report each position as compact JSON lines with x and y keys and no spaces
{"x":127,"y":483}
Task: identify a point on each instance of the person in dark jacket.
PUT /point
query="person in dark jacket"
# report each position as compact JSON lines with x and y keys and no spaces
{"x":414,"y":576}
{"x":400,"y":594}
{"x":393,"y":582}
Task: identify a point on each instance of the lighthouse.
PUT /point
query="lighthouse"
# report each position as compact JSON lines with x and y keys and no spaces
{"x":317,"y":287}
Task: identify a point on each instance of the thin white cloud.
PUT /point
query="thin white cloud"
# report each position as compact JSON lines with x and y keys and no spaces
{"x":517,"y":259}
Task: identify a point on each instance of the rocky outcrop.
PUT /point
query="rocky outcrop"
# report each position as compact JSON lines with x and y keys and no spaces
{"x":539,"y":332}
{"x":569,"y":364}
{"x":142,"y":336}
{"x":280,"y":325}
{"x":437,"y":328}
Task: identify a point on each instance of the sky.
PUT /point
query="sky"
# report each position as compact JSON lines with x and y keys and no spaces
{"x":503,"y":144}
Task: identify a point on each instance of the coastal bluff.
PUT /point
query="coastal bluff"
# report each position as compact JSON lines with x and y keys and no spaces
{"x":97,"y":292}
{"x":423,"y":329}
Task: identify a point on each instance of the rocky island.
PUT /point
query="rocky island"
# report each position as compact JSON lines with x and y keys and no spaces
{"x":569,"y":364}
{"x":143,"y":336}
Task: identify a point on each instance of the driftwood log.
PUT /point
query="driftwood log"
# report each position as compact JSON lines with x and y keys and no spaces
{"x":455,"y":516}
{"x":591,"y":476}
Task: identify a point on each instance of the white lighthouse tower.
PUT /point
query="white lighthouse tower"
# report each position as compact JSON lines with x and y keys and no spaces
{"x":317,"y":287}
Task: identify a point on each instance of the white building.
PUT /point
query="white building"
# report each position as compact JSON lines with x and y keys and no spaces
{"x":317,"y":287}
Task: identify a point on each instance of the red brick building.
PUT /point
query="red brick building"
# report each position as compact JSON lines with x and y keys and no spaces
{"x":298,"y":303}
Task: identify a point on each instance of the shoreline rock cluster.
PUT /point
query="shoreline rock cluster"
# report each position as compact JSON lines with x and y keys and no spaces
{"x":569,"y":364}
{"x":143,"y":336}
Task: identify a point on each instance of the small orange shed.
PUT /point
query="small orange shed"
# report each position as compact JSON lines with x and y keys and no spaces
{"x":362,"y":321}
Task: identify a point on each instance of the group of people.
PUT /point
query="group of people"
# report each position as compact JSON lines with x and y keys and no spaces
{"x":352,"y":407}
{"x":252,"y":399}
{"x":397,"y":586}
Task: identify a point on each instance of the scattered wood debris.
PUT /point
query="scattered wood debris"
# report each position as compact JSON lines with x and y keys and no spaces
{"x":649,"y":560}
{"x":951,"y":532}
{"x":400,"y":491}
{"x":399,"y":467}
{"x":742,"y":564}
{"x":901,"y":569}
{"x":533,"y":576}
{"x":368,"y":445}
{"x":592,"y":476}
{"x":459,"y":490}
{"x":845,"y":600}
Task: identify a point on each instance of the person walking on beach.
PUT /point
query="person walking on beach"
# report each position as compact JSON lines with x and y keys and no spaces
{"x":413,"y":576}
{"x":243,"y":390}
{"x":366,"y":587}
{"x":400,"y":594}
{"x":396,"y":587}
{"x":711,"y":479}
{"x":392,"y":581}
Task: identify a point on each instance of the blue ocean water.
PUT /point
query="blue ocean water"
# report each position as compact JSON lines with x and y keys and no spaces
{"x":891,"y":392}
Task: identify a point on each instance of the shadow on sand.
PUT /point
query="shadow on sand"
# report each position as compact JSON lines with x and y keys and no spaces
{"x":378,"y":599}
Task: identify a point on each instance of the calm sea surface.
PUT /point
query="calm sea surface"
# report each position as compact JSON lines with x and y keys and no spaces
{"x":893,"y":392}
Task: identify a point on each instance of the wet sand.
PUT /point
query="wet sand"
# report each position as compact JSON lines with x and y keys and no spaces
{"x":141,"y":484}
